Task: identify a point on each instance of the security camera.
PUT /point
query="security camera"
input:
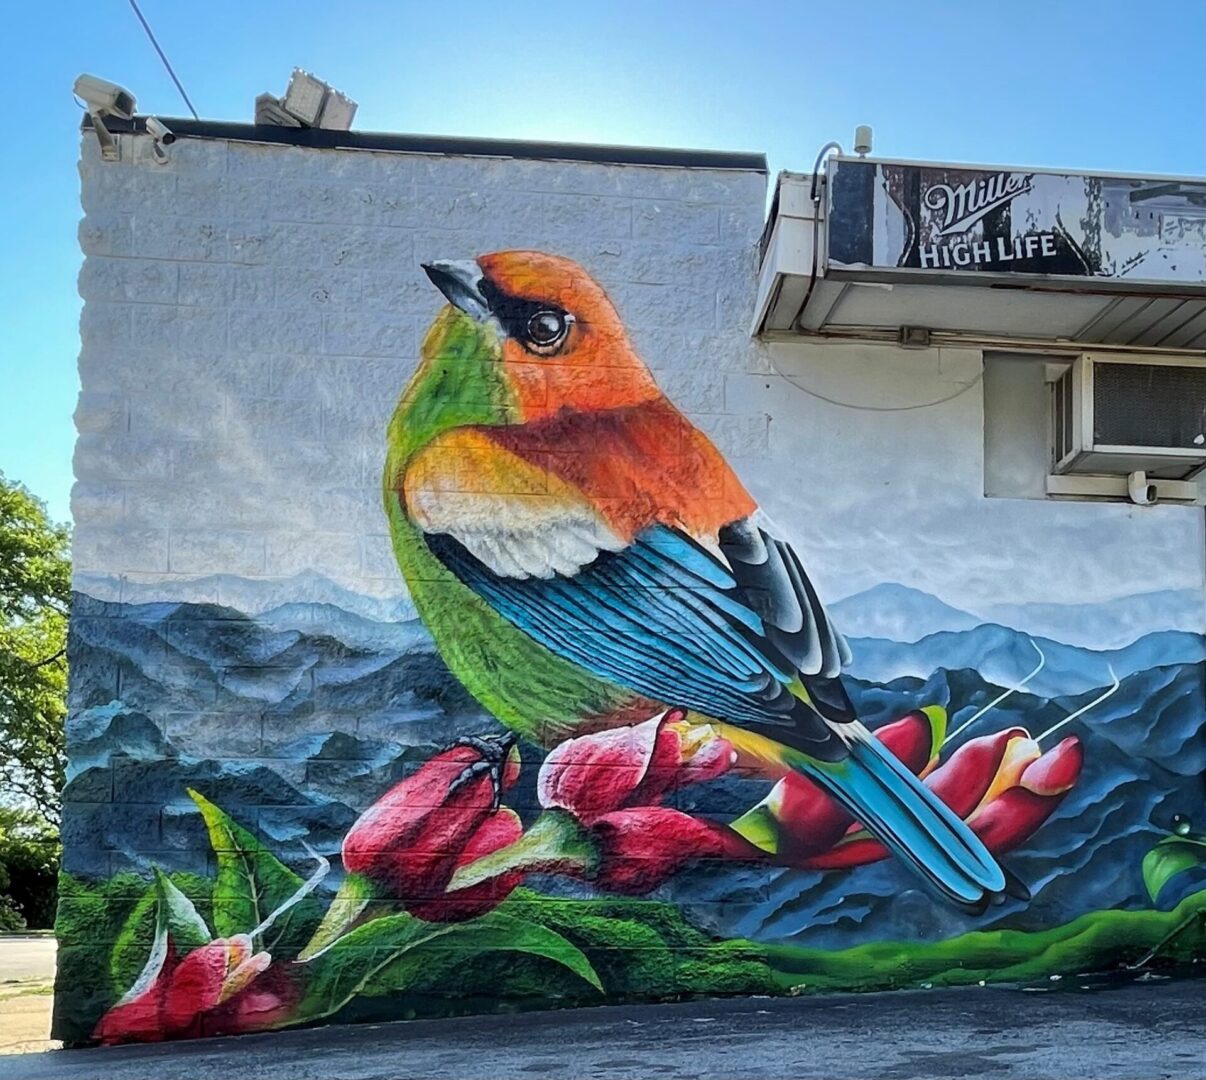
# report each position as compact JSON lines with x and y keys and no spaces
{"x":159,"y":131}
{"x":161,"y":138}
{"x":104,"y":97}
{"x":1141,"y":493}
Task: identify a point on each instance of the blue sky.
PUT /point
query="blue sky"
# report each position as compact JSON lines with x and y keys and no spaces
{"x":1089,"y":84}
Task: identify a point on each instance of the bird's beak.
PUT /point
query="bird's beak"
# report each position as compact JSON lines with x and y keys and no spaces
{"x":460,"y":282}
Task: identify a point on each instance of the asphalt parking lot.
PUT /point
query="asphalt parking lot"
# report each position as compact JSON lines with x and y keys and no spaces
{"x":1149,"y":1029}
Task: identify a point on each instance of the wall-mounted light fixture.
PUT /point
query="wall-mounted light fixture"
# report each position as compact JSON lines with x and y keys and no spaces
{"x":308,"y":102}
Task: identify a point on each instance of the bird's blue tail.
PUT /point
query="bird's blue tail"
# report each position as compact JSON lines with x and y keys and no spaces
{"x":913,"y":823}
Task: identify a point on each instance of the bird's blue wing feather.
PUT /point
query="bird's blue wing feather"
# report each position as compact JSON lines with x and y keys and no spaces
{"x":665,"y":618}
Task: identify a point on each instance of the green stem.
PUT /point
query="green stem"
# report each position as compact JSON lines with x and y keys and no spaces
{"x":1175,"y":932}
{"x":345,"y":912}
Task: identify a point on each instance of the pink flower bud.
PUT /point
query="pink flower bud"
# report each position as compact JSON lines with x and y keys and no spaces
{"x":645,"y":846}
{"x":496,"y":832}
{"x":596,"y":774}
{"x":224,"y":986}
{"x":408,"y":842}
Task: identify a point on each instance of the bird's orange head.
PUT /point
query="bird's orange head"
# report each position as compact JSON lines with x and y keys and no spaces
{"x":563,"y":345}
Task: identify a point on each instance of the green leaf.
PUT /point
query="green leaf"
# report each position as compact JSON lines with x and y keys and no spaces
{"x":141,"y":946}
{"x":346,"y":910}
{"x":493,"y":932}
{"x":555,"y":844}
{"x":252,"y":883}
{"x":334,"y":976}
{"x":1171,"y":856}
{"x":388,"y":955}
{"x":760,"y":824}
{"x":179,"y":915}
{"x":938,"y":719}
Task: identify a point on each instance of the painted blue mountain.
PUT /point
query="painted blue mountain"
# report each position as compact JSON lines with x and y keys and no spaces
{"x":251,"y":596}
{"x":1004,"y":656}
{"x":897,"y":613}
{"x":352,"y":629}
{"x":298,"y":718}
{"x":1106,"y":624}
{"x":900,"y":613}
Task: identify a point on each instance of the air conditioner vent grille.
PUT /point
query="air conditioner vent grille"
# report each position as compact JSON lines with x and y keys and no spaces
{"x":1063,"y":438}
{"x":1148,"y":405}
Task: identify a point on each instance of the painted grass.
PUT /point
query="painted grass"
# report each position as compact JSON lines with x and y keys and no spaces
{"x":646,"y":950}
{"x":1099,"y":942}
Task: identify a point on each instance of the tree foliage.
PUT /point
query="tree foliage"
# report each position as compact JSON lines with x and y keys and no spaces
{"x":29,"y":867}
{"x":35,"y":592}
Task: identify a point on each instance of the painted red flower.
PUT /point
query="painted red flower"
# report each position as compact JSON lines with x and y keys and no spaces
{"x":602,"y":821}
{"x":496,"y":832}
{"x":643,"y":847}
{"x":1010,"y":812}
{"x":410,"y":842}
{"x":1003,"y":785}
{"x":223,"y":987}
{"x":597,"y":774}
{"x":630,"y":851}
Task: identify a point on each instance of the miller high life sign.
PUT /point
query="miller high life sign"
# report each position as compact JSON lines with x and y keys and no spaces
{"x":952,"y":219}
{"x":958,"y":209}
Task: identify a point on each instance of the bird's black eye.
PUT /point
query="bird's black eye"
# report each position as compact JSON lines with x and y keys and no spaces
{"x":545,"y":327}
{"x":546,"y":330}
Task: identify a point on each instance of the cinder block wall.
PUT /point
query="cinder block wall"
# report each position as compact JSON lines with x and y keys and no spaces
{"x":252,"y":313}
{"x":249,"y":674}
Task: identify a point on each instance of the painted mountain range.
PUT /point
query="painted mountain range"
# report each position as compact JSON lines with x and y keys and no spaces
{"x":1005,"y":657}
{"x":319,"y":709}
{"x":900,"y":613}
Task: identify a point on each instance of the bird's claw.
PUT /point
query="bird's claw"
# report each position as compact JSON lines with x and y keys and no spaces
{"x":495,"y":749}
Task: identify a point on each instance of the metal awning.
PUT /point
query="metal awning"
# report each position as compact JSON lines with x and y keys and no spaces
{"x":1029,"y":258}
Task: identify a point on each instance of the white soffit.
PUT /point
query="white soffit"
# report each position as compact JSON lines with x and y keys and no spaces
{"x":968,"y":309}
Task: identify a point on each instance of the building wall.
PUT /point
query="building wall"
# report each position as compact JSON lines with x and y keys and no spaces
{"x":263,"y":801}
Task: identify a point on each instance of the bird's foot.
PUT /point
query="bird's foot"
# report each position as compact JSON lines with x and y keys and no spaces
{"x":495,"y":749}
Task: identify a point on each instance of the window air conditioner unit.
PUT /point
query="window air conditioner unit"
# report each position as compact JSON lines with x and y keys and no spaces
{"x":1117,"y":414}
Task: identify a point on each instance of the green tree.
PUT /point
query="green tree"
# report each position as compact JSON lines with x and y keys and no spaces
{"x":29,"y":866}
{"x":35,"y":592}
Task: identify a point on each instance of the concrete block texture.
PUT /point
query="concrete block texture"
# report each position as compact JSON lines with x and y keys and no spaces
{"x":247,"y":664}
{"x":334,"y":541}
{"x":261,"y":699}
{"x":243,"y":303}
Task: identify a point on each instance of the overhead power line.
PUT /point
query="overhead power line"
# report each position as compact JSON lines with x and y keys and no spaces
{"x":162,"y":56}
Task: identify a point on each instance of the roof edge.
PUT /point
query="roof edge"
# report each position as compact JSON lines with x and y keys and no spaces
{"x":325,"y":139}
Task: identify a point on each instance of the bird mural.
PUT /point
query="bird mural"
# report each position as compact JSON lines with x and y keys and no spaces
{"x":584,"y":557}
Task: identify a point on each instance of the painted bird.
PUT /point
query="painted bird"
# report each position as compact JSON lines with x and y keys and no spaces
{"x":584,"y":557}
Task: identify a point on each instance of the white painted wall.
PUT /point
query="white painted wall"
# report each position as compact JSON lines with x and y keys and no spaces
{"x":253,"y":311}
